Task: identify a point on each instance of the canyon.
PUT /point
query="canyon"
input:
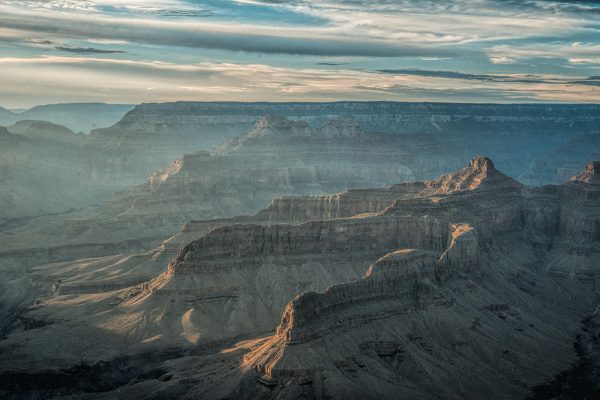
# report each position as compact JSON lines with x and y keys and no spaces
{"x":238,"y":156}
{"x":437,"y":289}
{"x":299,"y":250}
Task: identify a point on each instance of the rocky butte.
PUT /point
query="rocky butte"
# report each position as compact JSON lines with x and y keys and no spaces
{"x":467,"y":284}
{"x":127,"y":188}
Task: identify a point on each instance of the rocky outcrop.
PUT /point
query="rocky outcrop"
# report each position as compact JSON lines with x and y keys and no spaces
{"x":576,"y":254}
{"x":480,"y":174}
{"x":588,"y":181}
{"x":253,"y":270}
{"x":411,"y":302}
{"x":396,"y":275}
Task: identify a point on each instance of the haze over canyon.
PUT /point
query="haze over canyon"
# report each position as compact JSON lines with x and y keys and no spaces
{"x":299,"y":200}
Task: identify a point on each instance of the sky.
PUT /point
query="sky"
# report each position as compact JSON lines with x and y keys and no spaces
{"x":128,"y":51}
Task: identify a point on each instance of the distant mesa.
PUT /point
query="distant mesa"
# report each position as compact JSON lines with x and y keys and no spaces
{"x":42,"y":130}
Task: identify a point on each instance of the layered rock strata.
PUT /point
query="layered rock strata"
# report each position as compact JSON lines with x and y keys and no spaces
{"x":468,"y":281}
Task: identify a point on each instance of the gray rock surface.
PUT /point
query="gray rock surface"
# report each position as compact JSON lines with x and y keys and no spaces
{"x":472,"y":283}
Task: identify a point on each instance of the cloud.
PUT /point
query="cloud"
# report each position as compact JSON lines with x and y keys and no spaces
{"x":84,"y":78}
{"x":573,"y":52}
{"x":41,"y":42}
{"x":87,"y":50}
{"x":498,"y":78}
{"x":107,"y":41}
{"x":499,"y":59}
{"x":591,"y":81}
{"x":162,"y":50}
{"x":330,"y":63}
{"x":220,"y":36}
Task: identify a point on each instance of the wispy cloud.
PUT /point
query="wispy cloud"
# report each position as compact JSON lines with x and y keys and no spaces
{"x":158,"y":50}
{"x":221,"y":36}
{"x":87,"y":50}
{"x":81,"y":78}
{"x":574,"y":52}
{"x":508,"y":78}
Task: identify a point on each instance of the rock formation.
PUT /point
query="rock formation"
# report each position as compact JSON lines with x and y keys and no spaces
{"x":467,"y":278}
{"x":337,"y":147}
{"x":468,"y":281}
{"x":402,"y":328}
{"x":278,"y":157}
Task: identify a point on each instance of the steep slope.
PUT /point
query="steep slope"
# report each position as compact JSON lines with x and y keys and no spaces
{"x":469,"y":281}
{"x":277,"y":157}
{"x":481,"y":285}
{"x":260,"y":264}
{"x":511,"y":134}
{"x":473,"y":319}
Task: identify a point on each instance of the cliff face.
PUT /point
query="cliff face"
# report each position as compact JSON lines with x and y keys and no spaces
{"x":511,"y":134}
{"x":403,"y":273}
{"x":229,"y":271}
{"x":467,"y":282}
{"x":300,"y":149}
{"x":277,"y":157}
{"x":405,"y":316}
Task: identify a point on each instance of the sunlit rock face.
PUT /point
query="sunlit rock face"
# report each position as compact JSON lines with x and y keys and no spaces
{"x":253,"y":258}
{"x":419,"y":320}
